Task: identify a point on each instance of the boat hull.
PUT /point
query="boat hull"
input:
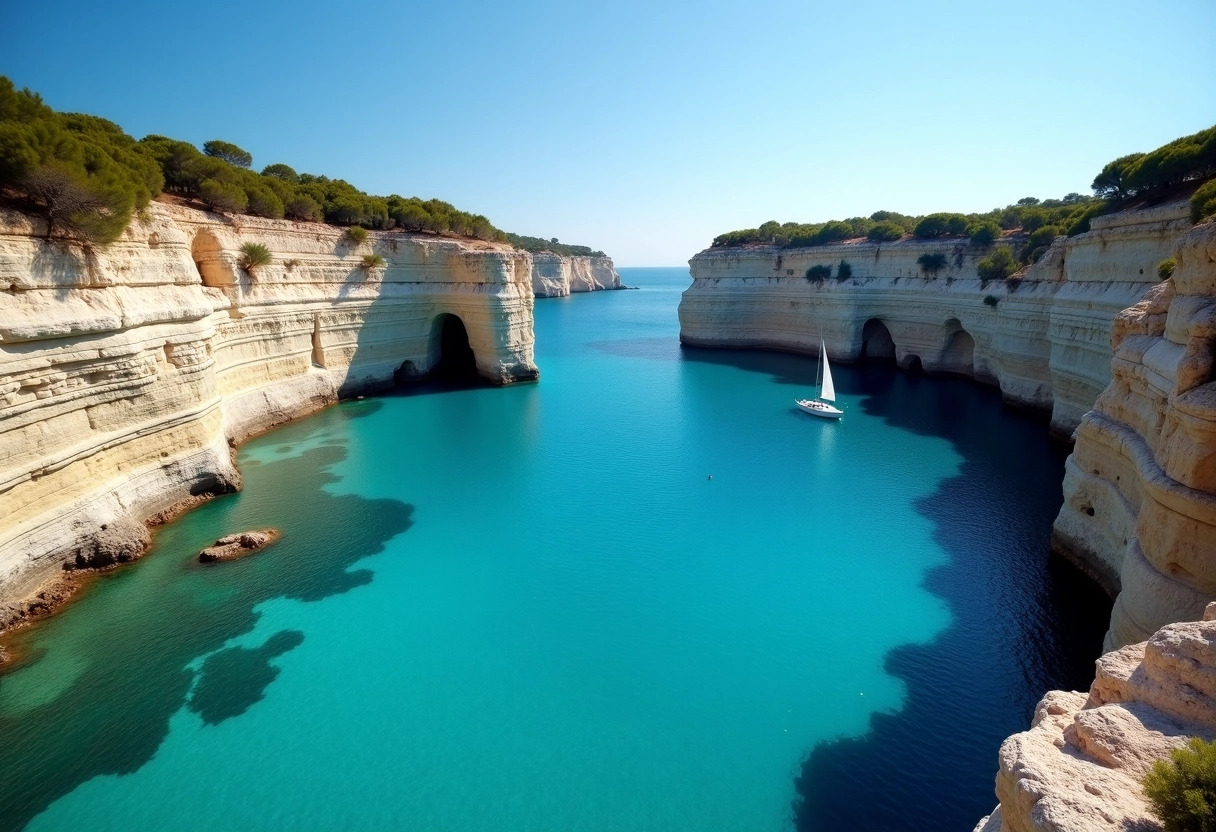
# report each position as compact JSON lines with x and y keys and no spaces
{"x":820,"y":409}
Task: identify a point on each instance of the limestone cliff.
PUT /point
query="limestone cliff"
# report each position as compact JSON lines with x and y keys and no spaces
{"x":1079,"y":767}
{"x":1043,"y":339}
{"x":126,"y":372}
{"x":1140,"y":487}
{"x":558,"y":275}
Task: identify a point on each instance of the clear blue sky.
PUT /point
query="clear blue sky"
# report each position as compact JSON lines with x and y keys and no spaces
{"x":645,"y":128}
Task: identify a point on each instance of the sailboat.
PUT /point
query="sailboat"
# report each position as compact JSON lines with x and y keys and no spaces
{"x":822,"y":406}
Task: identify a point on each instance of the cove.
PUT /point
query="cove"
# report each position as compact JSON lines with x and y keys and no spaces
{"x":532,"y":609}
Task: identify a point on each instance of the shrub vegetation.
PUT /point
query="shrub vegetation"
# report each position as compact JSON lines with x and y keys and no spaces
{"x":818,"y":274}
{"x":885,"y":232}
{"x":85,"y":177}
{"x":372,"y":261}
{"x":253,"y":257}
{"x":997,"y":266}
{"x":984,"y":232}
{"x":537,"y":244}
{"x":357,"y":234}
{"x":1182,"y":790}
{"x":931,"y":262}
{"x":1139,"y":176}
{"x":844,"y":271}
{"x":1165,"y":269}
{"x":1203,"y":202}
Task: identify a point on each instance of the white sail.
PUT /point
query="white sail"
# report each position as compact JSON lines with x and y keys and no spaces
{"x":828,"y":391}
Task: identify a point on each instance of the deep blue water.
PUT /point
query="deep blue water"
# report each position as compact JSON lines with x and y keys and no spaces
{"x":532,"y":609}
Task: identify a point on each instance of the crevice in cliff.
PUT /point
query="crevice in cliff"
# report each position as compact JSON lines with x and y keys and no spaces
{"x":318,"y":349}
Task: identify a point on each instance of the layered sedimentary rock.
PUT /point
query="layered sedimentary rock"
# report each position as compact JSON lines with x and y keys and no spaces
{"x":557,"y":275}
{"x":1043,"y":339}
{"x":1079,"y":767}
{"x":1140,"y":487}
{"x":127,"y":371}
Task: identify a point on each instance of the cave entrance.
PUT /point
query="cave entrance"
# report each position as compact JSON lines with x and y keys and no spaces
{"x":959,"y":354}
{"x":208,"y":256}
{"x":876,"y":342}
{"x":452,"y":358}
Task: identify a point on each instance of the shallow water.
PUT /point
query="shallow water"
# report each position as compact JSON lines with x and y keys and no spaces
{"x":532,"y":609}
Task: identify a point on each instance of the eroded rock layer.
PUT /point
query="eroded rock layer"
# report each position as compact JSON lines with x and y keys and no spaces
{"x":127,"y":372}
{"x":1043,"y":339}
{"x":557,"y":275}
{"x":1080,"y":766}
{"x":1140,"y":487}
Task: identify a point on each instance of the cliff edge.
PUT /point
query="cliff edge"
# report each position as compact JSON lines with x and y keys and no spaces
{"x":1080,"y":766}
{"x":559,"y":275}
{"x":1043,"y":339}
{"x":1140,"y":487}
{"x":126,"y":372}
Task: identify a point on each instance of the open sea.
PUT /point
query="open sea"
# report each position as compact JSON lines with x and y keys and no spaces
{"x":532,"y":609}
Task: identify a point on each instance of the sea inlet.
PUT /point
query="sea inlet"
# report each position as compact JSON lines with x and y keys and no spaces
{"x":646,"y":593}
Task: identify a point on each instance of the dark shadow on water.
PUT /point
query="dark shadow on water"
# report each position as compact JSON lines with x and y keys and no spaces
{"x":233,"y":680}
{"x":146,"y":624}
{"x":1022,"y":622}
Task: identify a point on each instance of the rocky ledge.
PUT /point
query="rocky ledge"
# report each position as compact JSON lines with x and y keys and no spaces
{"x":113,"y":544}
{"x":235,"y":546}
{"x":1079,"y":767}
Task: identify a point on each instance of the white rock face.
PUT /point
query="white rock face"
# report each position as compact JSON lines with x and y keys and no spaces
{"x":1045,"y":342}
{"x":125,"y":372}
{"x":557,"y":275}
{"x":1079,"y":767}
{"x":1140,"y":487}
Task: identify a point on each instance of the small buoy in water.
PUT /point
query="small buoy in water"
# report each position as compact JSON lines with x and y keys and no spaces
{"x":709,"y":476}
{"x":360,"y":398}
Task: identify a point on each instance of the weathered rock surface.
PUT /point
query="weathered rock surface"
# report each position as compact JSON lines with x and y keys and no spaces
{"x":127,"y":371}
{"x":121,"y":541}
{"x":234,"y":546}
{"x":1140,"y":487}
{"x":557,"y":275}
{"x":1045,"y":340}
{"x":1079,"y":767}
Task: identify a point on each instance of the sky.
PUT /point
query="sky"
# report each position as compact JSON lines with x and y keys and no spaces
{"x":645,"y":128}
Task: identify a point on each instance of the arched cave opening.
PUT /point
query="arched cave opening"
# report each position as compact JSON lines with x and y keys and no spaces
{"x":453,"y":357}
{"x":876,"y":342}
{"x":913,"y":364}
{"x":208,"y":258}
{"x":959,"y":355}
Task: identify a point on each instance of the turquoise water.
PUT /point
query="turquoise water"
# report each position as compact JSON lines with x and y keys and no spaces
{"x":533,"y":609}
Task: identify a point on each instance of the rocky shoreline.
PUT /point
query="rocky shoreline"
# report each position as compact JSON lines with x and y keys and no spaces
{"x":128,"y":373}
{"x":1080,"y":765}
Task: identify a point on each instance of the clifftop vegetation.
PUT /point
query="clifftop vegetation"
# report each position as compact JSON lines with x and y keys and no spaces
{"x":538,"y":244}
{"x":86,"y":178}
{"x":1138,"y":177}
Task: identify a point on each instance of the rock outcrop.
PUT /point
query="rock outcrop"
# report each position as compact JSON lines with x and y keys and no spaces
{"x":1043,"y":339}
{"x":1140,"y":487}
{"x":1079,"y":767}
{"x":127,"y":372}
{"x":236,"y":546}
{"x":557,"y":275}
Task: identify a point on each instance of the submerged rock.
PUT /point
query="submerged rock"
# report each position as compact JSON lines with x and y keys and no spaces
{"x":233,"y":546}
